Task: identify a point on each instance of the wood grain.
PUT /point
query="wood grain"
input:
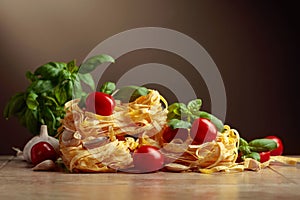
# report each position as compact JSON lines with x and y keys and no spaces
{"x":18,"y":181}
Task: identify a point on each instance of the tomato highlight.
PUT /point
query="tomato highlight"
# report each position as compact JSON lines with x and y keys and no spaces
{"x":147,"y":159}
{"x":203,"y":131}
{"x":100,"y":103}
{"x":42,"y":151}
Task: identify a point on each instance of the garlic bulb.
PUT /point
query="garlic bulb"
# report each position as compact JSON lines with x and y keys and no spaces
{"x":43,"y":137}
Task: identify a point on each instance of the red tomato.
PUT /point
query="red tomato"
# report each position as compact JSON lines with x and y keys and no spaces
{"x":203,"y":131}
{"x":100,"y":103}
{"x":179,"y":133}
{"x":147,"y":159}
{"x":239,"y":158}
{"x":264,"y":156}
{"x":42,"y":151}
{"x":279,"y":150}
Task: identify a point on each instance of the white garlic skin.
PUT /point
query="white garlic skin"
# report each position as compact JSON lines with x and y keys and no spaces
{"x":46,"y":165}
{"x":43,"y":137}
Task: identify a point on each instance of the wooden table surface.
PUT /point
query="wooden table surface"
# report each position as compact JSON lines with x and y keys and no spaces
{"x":18,"y":181}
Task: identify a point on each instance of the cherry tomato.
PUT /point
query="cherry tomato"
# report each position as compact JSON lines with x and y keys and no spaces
{"x":147,"y":159}
{"x":264,"y":156}
{"x":279,"y":150}
{"x":203,"y":131}
{"x":100,"y":103}
{"x":42,"y":151}
{"x":179,"y":133}
{"x":239,"y":158}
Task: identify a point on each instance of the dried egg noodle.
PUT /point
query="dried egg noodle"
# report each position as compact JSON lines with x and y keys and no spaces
{"x":89,"y":142}
{"x":95,"y":143}
{"x":209,"y":157}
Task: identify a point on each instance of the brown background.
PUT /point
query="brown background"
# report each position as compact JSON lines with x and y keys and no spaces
{"x":254,"y":45}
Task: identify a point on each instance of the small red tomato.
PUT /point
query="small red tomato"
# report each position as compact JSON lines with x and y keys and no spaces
{"x":239,"y":158}
{"x":179,"y":133}
{"x":147,"y":159}
{"x":42,"y":151}
{"x":279,"y":150}
{"x":264,"y":156}
{"x":100,"y":103}
{"x":203,"y":131}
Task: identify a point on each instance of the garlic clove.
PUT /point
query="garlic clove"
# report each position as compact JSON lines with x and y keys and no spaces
{"x":175,"y":167}
{"x":46,"y":165}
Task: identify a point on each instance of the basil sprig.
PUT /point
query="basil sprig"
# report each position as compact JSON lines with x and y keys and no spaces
{"x":51,"y":86}
{"x":186,"y":114}
{"x":256,"y":146}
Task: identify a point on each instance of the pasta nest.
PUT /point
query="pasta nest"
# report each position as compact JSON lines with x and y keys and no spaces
{"x":95,"y":143}
{"x":218,"y":155}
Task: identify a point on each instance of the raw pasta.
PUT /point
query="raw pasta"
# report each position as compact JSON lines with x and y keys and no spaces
{"x":95,"y":143}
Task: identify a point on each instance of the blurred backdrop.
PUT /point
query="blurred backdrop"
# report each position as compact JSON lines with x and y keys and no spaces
{"x":254,"y":44}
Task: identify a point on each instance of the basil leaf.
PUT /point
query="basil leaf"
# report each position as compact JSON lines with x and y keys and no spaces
{"x":217,"y":122}
{"x":91,"y":64}
{"x":15,"y":105}
{"x":49,"y":101}
{"x":244,"y":149}
{"x":243,"y":142}
{"x":130,"y":93}
{"x":31,"y":101}
{"x":30,"y":76}
{"x":31,"y":122}
{"x":87,"y":79}
{"x":174,"y":111}
{"x":21,"y":116}
{"x":71,"y":66}
{"x":262,"y":145}
{"x":64,"y":75}
{"x":108,"y":88}
{"x":185,"y":114}
{"x":177,"y":123}
{"x":82,"y":101}
{"x":40,"y":86}
{"x":194,"y":106}
{"x":140,"y":91}
{"x":253,"y":155}
{"x":59,"y":65}
{"x":50,"y":119}
{"x":77,"y":89}
{"x":50,"y":70}
{"x":69,"y":87}
{"x":177,"y":111}
{"x":60,"y":94}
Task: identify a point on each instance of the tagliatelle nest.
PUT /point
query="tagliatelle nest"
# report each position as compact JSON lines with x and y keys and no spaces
{"x":94,"y":143}
{"x":209,"y":157}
